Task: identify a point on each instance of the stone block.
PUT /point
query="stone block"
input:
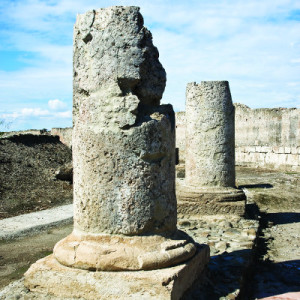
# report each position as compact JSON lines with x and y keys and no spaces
{"x":287,"y":150}
{"x":46,"y":275}
{"x":262,"y":157}
{"x":194,"y":201}
{"x":281,"y":159}
{"x":257,"y":148}
{"x":271,"y":158}
{"x":292,"y":159}
{"x":294,"y":150}
{"x":281,"y":150}
{"x":265,"y":149}
{"x":275,"y":149}
{"x":251,"y":149}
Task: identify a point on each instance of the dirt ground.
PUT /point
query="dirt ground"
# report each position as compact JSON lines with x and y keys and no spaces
{"x":27,"y":174}
{"x":17,"y":255}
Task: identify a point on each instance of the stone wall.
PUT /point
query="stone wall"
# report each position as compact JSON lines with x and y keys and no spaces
{"x":65,"y":135}
{"x":264,"y":137}
{"x":268,"y":137}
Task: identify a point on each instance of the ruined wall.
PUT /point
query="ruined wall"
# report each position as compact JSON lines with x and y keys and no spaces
{"x":23,"y":132}
{"x":264,"y":137}
{"x":268,"y":137}
{"x":65,"y":135}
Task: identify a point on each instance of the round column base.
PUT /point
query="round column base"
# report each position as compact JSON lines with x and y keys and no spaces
{"x":119,"y":253}
{"x":193,"y":200}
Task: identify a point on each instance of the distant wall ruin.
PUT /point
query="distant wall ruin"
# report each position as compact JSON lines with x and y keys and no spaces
{"x":22,"y":132}
{"x":64,"y":134}
{"x":268,"y":137}
{"x":264,"y":137}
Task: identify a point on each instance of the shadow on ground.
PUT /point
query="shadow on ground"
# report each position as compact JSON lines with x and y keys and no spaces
{"x":277,"y":278}
{"x":255,"y":186}
{"x":284,"y":217}
{"x":223,"y":276}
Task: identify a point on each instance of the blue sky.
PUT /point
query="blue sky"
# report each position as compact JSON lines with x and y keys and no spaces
{"x":255,"y":45}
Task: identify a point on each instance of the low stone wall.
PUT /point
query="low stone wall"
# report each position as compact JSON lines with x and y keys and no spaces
{"x":65,"y":135}
{"x":285,"y":158}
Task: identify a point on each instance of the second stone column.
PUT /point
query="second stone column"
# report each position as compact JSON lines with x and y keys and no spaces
{"x":209,"y":185}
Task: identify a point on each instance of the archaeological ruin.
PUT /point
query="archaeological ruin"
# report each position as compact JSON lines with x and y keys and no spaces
{"x":125,"y":239}
{"x":159,"y":198}
{"x":268,"y":137}
{"x":209,"y":183}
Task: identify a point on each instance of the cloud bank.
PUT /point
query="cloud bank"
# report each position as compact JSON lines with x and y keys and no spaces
{"x":255,"y":45}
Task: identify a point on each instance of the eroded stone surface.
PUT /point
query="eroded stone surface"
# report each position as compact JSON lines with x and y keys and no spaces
{"x":114,"y":54}
{"x":209,"y":184}
{"x":124,"y":173}
{"x":123,"y":150}
{"x":209,"y":135}
{"x":118,"y":252}
{"x":123,"y":140}
{"x":193,"y":200}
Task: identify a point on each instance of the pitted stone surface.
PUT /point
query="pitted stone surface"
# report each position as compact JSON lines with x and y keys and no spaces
{"x":114,"y":53}
{"x":209,"y":134}
{"x":125,"y":242}
{"x":122,"y":139}
{"x":123,"y":150}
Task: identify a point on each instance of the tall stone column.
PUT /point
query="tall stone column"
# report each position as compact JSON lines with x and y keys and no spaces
{"x":124,"y":171}
{"x":210,"y":151}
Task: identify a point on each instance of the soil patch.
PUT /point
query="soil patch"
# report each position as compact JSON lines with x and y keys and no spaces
{"x":16,"y":256}
{"x":27,"y":174}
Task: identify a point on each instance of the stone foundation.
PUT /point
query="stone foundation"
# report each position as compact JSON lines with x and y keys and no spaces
{"x":168,"y":283}
{"x":193,"y":201}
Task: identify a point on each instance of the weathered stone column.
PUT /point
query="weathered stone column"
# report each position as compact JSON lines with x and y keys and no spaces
{"x":124,"y":170}
{"x":210,"y":151}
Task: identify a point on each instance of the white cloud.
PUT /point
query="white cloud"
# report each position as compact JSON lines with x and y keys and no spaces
{"x":295,"y":61}
{"x":40,"y":118}
{"x":36,"y":112}
{"x":255,"y":45}
{"x":56,"y":105}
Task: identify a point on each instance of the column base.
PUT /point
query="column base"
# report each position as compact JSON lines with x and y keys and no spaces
{"x":98,"y":252}
{"x":192,"y":200}
{"x":49,"y":278}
